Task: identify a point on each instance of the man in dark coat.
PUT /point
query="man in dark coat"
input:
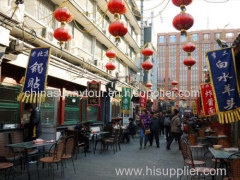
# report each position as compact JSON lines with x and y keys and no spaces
{"x":131,"y":130}
{"x":34,"y":126}
{"x":155,"y":127}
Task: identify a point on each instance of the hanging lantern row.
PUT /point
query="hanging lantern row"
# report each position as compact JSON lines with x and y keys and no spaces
{"x":64,"y":16}
{"x":147,"y":65}
{"x":189,"y":61}
{"x":174,"y":83}
{"x":148,"y":85}
{"x":183,"y":21}
{"x":111,"y":54}
{"x":118,"y":28}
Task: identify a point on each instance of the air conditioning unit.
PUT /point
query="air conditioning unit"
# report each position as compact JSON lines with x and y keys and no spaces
{"x":47,"y":33}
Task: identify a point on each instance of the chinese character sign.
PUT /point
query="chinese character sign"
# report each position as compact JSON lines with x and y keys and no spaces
{"x":194,"y":108}
{"x":200,"y":109}
{"x":225,"y":86}
{"x":143,"y":100}
{"x":35,"y":76}
{"x":126,"y":100}
{"x":155,"y":105}
{"x":207,"y":99}
{"x":94,"y":90}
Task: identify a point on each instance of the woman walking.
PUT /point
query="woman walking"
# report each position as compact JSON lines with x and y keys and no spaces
{"x":145,"y":123}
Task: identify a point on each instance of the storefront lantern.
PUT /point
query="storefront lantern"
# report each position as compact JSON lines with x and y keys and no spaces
{"x":63,"y":15}
{"x":147,"y":65}
{"x":62,"y":35}
{"x":174,"y":83}
{"x":111,"y":54}
{"x":147,"y":52}
{"x":148,"y":85}
{"x":117,"y":7}
{"x":182,"y":3}
{"x":174,"y":89}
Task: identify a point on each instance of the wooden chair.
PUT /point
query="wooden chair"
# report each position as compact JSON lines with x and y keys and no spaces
{"x":56,"y":158}
{"x":69,"y":149}
{"x":112,"y":141}
{"x":233,"y":167}
{"x":192,"y":139}
{"x":78,"y":144}
{"x":200,"y":170}
{"x":4,"y":166}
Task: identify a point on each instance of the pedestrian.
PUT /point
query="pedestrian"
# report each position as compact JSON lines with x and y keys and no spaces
{"x":131,"y":130}
{"x":167,"y":121}
{"x":83,"y":135}
{"x":161,"y":120}
{"x":176,"y":131}
{"x":34,"y":127}
{"x":155,"y":126}
{"x":145,"y":123}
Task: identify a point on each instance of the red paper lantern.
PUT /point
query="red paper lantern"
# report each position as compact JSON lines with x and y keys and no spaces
{"x":189,"y":48}
{"x":147,"y":65}
{"x":111,"y":54}
{"x":63,"y":15}
{"x":189,"y":62}
{"x":183,"y":22}
{"x":147,"y":52}
{"x":110,"y":66}
{"x":62,"y":35}
{"x":117,"y":7}
{"x":181,"y":3}
{"x":174,"y":83}
{"x":118,"y":29}
{"x":174,"y":89}
{"x":148,"y":85}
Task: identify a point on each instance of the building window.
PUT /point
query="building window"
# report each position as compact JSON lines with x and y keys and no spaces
{"x":172,"y":39}
{"x":195,"y":37}
{"x":217,"y":35}
{"x":183,"y":38}
{"x":161,"y":39}
{"x":229,"y":35}
{"x":206,"y":36}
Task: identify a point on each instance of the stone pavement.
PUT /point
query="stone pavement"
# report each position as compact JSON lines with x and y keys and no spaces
{"x":102,"y":166}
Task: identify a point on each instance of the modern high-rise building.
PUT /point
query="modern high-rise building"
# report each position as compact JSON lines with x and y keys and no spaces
{"x":171,"y":56}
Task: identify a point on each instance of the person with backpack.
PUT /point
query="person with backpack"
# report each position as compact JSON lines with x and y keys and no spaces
{"x":176,"y":130}
{"x":167,"y":120}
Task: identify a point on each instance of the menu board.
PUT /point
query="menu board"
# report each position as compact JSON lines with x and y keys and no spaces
{"x":94,"y":89}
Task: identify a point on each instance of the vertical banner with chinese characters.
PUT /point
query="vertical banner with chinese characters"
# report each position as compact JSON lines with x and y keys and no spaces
{"x":225,"y":85}
{"x":200,"y":109}
{"x":35,"y":76}
{"x":94,"y":93}
{"x":194,"y":108}
{"x":207,"y":99}
{"x":126,"y":100}
{"x":143,"y":100}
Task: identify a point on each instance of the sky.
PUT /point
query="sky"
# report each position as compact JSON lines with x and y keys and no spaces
{"x":206,"y":15}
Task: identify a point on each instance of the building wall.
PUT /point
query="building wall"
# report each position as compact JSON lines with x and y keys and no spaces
{"x":171,"y":56}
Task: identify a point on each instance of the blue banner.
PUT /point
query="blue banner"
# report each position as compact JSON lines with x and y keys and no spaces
{"x":225,"y":85}
{"x":36,"y":75}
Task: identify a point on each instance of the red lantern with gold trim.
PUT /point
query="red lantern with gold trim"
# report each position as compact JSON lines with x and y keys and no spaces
{"x":148,"y":85}
{"x":63,"y":15}
{"x":189,"y":62}
{"x":174,"y":83}
{"x":117,"y":7}
{"x":174,"y":89}
{"x":147,"y":65}
{"x":111,"y":54}
{"x":117,"y":29}
{"x":183,"y":22}
{"x":147,"y":52}
{"x":182,"y":3}
{"x":110,"y":66}
{"x":189,"y":48}
{"x":62,"y":35}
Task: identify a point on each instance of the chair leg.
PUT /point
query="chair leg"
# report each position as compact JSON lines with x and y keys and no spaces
{"x":73,"y":166}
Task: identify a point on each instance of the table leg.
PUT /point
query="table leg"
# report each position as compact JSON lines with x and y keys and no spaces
{"x":215,"y":177}
{"x":28,"y":171}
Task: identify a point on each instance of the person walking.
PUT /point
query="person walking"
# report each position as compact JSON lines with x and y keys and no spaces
{"x":161,"y":121}
{"x":145,"y":123}
{"x":167,"y":121}
{"x":176,"y":131}
{"x":155,"y":126}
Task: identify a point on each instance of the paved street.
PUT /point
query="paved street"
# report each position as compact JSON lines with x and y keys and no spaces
{"x":102,"y":166}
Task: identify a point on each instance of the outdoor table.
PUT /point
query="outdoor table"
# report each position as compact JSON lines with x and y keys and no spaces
{"x":220,"y":155}
{"x":95,"y":137}
{"x":29,"y":145}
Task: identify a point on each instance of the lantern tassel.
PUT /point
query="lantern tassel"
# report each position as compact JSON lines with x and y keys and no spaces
{"x":183,"y":32}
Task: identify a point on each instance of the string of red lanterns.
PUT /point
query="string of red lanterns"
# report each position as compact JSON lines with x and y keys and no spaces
{"x":147,"y":65}
{"x":64,"y":16}
{"x":111,"y":54}
{"x":189,"y":61}
{"x":118,"y":28}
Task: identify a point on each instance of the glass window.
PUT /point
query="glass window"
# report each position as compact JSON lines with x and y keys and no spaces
{"x":206,"y":36}
{"x":161,"y":39}
{"x":217,"y":35}
{"x":183,"y":38}
{"x":195,"y":37}
{"x":229,"y":35}
{"x":172,"y":38}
